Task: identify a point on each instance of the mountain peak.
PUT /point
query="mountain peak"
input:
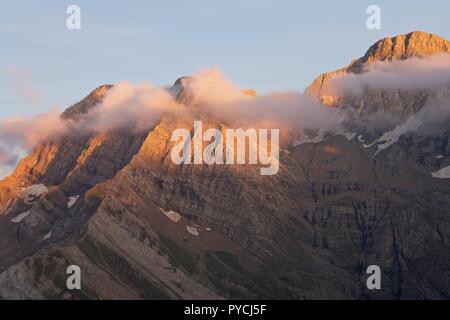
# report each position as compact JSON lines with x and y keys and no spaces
{"x":417,"y":43}
{"x":85,"y":105}
{"x":402,"y":47}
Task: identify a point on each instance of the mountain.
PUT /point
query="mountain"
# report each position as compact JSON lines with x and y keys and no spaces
{"x":141,"y":227}
{"x":401,"y":47}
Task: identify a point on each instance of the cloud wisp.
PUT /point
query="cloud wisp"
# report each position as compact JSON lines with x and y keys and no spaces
{"x":215,"y":95}
{"x":431,"y":72}
{"x":24,"y":84}
{"x":125,"y":106}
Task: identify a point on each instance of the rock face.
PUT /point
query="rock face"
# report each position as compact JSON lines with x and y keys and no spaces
{"x":141,"y":227}
{"x":85,"y":105}
{"x":402,"y":47}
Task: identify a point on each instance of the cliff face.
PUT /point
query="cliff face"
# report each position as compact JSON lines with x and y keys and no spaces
{"x":402,"y":102}
{"x":402,"y":47}
{"x":140,"y":226}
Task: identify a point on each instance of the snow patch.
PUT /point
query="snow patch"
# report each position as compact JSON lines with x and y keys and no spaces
{"x":72,"y":201}
{"x":319,"y":138}
{"x":47,"y":236}
{"x":29,"y":194}
{"x":172,"y":215}
{"x":443,"y":173}
{"x":192,"y":230}
{"x":322,"y":136}
{"x":440,"y":156}
{"x":20,"y":217}
{"x":361,"y":139}
{"x":349,"y":135}
{"x":391,"y":137}
{"x":370,"y":144}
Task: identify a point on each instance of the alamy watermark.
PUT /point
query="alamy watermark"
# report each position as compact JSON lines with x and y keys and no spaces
{"x":229,"y":147}
{"x":374,"y":280}
{"x":73,"y":22}
{"x":74,"y":280}
{"x":374,"y":20}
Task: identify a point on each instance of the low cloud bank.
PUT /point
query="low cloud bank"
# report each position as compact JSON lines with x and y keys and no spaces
{"x":430,"y":72}
{"x":133,"y":107}
{"x":139,"y":107}
{"x":215,"y":95}
{"x":399,"y":80}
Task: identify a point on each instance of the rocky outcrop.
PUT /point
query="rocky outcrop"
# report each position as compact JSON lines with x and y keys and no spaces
{"x":402,"y":102}
{"x":401,"y":47}
{"x":84,"y":106}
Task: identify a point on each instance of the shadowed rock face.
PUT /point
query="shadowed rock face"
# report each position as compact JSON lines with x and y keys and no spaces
{"x":309,"y":232}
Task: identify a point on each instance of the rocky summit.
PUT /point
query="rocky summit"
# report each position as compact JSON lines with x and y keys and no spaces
{"x":141,"y":227}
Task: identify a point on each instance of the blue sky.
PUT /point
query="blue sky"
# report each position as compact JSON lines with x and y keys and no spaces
{"x":260,"y":44}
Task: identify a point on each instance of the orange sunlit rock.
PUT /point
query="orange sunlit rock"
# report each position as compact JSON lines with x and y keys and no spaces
{"x":331,"y":150}
{"x":249,"y":92}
